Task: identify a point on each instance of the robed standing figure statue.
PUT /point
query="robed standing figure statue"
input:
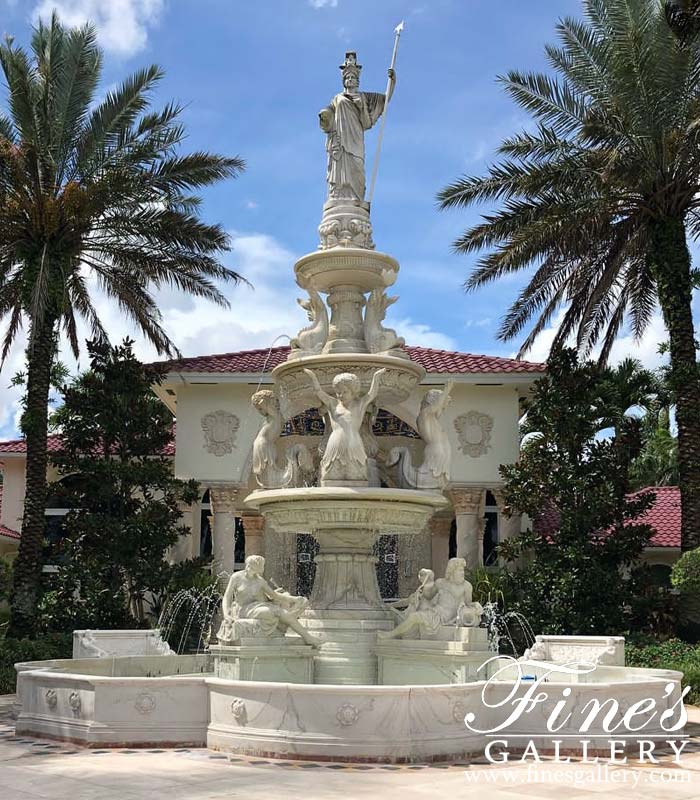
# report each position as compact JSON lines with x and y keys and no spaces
{"x":344,"y":121}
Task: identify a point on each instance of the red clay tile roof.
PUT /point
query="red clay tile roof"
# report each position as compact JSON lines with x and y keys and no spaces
{"x":664,"y":517}
{"x":264,"y":360}
{"x":4,"y":531}
{"x":53,"y":442}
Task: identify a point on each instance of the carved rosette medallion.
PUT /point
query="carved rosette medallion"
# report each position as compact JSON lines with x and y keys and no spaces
{"x":474,"y":433}
{"x":145,"y":703}
{"x":347,"y":714}
{"x":219,"y":429}
{"x":239,"y":711}
{"x":51,"y":698}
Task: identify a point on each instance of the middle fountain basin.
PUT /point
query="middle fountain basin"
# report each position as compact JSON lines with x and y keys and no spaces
{"x":346,"y":608}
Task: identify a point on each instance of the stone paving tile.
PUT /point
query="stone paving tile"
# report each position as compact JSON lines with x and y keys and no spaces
{"x":34,"y":769}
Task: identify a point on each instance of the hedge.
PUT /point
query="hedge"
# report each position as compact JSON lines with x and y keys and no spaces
{"x":55,"y":645}
{"x":672,"y":654}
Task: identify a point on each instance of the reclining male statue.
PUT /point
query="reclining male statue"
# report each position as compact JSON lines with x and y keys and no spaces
{"x":446,"y":601}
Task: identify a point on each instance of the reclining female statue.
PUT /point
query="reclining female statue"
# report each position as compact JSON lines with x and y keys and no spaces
{"x":251,"y":607}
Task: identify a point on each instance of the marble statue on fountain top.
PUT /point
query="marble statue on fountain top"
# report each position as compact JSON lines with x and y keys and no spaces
{"x":344,"y":120}
{"x":344,"y":461}
{"x":437,"y":604}
{"x":252,"y":609}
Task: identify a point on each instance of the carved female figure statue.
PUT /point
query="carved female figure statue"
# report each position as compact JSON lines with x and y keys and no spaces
{"x":451,"y":604}
{"x":433,"y":473}
{"x":436,"y":455}
{"x":344,"y":459}
{"x":265,"y":453}
{"x":249,"y":597}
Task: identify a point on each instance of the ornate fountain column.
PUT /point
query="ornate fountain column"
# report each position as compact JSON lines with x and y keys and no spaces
{"x":224,"y":503}
{"x":468,"y":504}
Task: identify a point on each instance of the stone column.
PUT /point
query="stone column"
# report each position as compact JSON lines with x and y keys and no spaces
{"x":440,"y":527}
{"x":346,"y":329}
{"x":468,"y":504}
{"x":254,"y":527}
{"x":224,"y":501}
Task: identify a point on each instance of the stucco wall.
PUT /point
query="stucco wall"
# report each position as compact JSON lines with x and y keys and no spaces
{"x":501,"y":404}
{"x":12,"y":493}
{"x":192,"y":460}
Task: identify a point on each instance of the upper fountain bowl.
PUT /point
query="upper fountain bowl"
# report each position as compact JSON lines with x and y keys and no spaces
{"x":346,"y":266}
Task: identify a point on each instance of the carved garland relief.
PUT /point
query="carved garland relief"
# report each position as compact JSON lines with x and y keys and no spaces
{"x":474,"y":433}
{"x":219,"y":429}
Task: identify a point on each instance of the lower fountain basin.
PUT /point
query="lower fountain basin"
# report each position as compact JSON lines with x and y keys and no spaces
{"x":81,"y":702}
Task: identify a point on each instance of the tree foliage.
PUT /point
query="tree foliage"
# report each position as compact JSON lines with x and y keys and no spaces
{"x":578,"y":574}
{"x":597,"y":200}
{"x":126,"y":503}
{"x":95,"y":192}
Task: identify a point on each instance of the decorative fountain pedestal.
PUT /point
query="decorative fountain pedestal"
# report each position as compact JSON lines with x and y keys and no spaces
{"x":346,"y":609}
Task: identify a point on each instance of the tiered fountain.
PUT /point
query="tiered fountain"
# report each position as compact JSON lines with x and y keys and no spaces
{"x":348,"y":365}
{"x":339,"y":675}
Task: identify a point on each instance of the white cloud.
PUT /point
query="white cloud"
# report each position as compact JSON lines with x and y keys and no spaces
{"x":417,"y":333}
{"x":122,"y":24}
{"x":323,"y":3}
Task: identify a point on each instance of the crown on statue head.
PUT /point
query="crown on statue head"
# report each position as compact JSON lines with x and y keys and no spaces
{"x":350,"y":65}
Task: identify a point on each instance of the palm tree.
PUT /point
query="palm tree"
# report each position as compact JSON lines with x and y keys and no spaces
{"x":91,"y":194}
{"x":599,"y":199}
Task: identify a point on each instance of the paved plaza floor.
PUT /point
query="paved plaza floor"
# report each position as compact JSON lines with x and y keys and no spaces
{"x":34,"y":768}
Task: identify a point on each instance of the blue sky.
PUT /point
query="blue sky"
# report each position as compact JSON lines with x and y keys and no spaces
{"x":255,"y":74}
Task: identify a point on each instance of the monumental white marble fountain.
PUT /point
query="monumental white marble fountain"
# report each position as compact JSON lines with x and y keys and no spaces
{"x":340,"y":674}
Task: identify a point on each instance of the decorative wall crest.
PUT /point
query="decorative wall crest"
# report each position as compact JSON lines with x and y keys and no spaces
{"x":51,"y":698}
{"x":220,"y":432}
{"x":474,"y":433}
{"x":145,"y":703}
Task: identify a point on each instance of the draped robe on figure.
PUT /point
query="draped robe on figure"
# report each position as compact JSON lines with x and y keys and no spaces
{"x":345,"y":121}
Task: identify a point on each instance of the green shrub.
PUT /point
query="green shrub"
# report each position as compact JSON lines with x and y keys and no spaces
{"x":672,"y":654}
{"x":12,"y":651}
{"x":685,"y":574}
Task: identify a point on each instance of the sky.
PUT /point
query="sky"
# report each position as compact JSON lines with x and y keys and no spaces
{"x":253,"y":76}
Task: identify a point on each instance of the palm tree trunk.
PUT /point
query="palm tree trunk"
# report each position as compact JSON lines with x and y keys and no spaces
{"x":29,"y":561}
{"x":672,"y":272}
